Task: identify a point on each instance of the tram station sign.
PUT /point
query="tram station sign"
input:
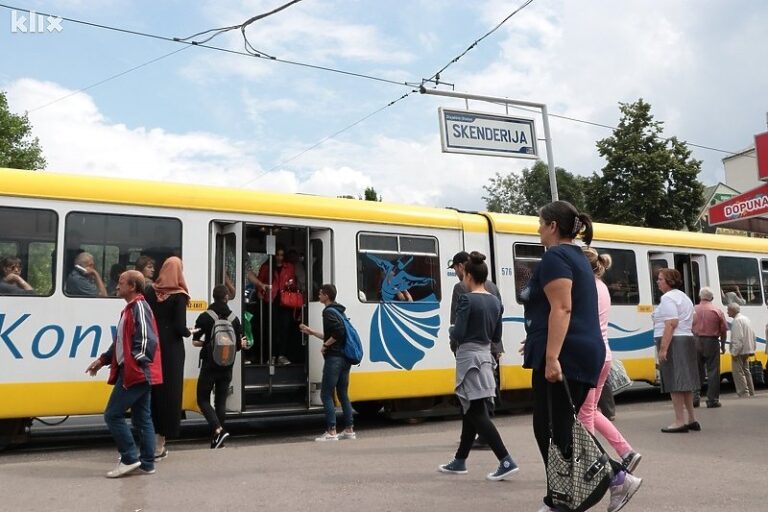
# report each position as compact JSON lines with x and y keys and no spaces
{"x":479,"y":133}
{"x":753,"y":203}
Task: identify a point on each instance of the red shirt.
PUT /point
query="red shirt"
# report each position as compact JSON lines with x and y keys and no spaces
{"x":709,"y":321}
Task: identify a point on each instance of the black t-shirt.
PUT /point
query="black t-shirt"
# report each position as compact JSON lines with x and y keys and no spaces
{"x":583,"y":353}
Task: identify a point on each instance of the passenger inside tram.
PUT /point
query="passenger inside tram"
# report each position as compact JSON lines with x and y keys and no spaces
{"x":11,"y":282}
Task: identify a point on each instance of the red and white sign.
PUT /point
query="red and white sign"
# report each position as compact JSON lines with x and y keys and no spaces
{"x":761,"y":148}
{"x":744,"y":206}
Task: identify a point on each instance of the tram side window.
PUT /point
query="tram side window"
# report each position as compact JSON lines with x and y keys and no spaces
{"x":764,"y":266}
{"x":739,"y":280}
{"x":99,"y":247}
{"x":621,"y":278}
{"x":27,"y":251}
{"x":397,"y":268}
{"x":526,"y":257}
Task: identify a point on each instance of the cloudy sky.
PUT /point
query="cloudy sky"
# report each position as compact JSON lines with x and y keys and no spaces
{"x":204,"y":116}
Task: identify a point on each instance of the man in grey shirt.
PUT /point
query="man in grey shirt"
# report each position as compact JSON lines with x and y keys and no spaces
{"x":457,"y":264}
{"x":84,"y":280}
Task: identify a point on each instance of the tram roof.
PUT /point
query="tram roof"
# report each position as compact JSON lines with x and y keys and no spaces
{"x":520,"y":224}
{"x":94,"y":189}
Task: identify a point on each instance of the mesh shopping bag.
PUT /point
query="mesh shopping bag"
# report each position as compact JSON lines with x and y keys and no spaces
{"x":578,"y":482}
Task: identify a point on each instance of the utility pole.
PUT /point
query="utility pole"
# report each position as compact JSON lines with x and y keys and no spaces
{"x":506,"y":101}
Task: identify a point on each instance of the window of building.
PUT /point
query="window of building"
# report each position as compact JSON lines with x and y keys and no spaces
{"x":621,"y":278}
{"x":526,"y":257}
{"x":27,"y":251}
{"x":739,"y":280}
{"x":394,"y":267}
{"x":114,"y":243}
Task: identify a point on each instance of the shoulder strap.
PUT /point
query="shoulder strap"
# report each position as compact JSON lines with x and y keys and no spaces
{"x":549,"y":404}
{"x":231,"y":317}
{"x":212,"y":314}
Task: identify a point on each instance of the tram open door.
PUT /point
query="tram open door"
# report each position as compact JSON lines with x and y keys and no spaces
{"x":692,"y":268}
{"x":227,"y":248}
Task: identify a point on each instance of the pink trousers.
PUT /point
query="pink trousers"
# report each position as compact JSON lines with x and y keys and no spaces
{"x":592,"y":419}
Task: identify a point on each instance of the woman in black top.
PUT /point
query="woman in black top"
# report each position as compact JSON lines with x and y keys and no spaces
{"x":168,"y":297}
{"x":478,"y":323}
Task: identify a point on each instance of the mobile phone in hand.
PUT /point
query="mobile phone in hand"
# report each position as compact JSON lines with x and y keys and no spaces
{"x":81,"y":269}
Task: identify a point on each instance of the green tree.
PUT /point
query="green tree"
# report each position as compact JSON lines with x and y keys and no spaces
{"x":647,"y":180}
{"x":526,"y":193}
{"x":370,"y":194}
{"x":18,"y":149}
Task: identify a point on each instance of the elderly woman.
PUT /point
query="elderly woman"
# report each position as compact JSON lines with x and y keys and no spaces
{"x":678,"y":366}
{"x":563,"y":337}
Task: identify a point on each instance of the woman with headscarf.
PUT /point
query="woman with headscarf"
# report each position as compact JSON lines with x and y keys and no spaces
{"x":168,"y":297}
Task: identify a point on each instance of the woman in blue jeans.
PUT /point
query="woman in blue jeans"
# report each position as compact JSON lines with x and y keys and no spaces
{"x":336,"y":367}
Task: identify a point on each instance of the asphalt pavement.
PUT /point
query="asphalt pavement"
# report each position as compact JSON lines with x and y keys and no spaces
{"x":392,"y":466}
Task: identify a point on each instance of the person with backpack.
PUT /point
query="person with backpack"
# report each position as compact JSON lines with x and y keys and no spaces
{"x":340,"y":342}
{"x":219,"y":334}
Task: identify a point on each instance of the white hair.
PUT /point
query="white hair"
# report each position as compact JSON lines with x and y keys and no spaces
{"x":706,"y":293}
{"x":734,"y":307}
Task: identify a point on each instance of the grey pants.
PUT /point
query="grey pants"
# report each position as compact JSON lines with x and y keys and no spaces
{"x":708,"y":348}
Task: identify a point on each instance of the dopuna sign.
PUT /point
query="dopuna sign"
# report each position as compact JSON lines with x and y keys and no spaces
{"x":744,"y":206}
{"x":478,"y":133}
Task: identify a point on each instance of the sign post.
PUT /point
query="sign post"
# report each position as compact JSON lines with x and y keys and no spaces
{"x":486,"y":138}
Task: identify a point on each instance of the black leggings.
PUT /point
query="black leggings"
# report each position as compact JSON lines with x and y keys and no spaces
{"x":477,"y":421}
{"x":214,"y":379}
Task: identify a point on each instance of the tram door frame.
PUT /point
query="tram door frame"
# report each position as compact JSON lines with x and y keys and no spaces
{"x":221,"y":233}
{"x":692,"y":268}
{"x":323,"y":236}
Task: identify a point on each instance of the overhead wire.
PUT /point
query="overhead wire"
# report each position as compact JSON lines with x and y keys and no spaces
{"x":434,"y":77}
{"x":216,"y":48}
{"x":100,"y":82}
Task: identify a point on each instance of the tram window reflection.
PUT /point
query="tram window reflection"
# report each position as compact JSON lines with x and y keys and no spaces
{"x":526,"y":257}
{"x":27,"y":251}
{"x":397,"y":268}
{"x":739,"y":280}
{"x":621,"y":278}
{"x":113,"y":241}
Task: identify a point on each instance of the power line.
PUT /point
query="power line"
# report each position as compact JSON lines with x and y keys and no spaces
{"x":436,"y":76}
{"x":328,"y":137}
{"x":256,"y":54}
{"x":100,"y":82}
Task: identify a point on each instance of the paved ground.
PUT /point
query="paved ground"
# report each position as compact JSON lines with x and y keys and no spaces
{"x":392,"y":467}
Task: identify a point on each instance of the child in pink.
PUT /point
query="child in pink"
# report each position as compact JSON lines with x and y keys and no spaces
{"x":589,"y":415}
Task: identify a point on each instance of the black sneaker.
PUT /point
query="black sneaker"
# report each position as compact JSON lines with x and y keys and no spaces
{"x":714,"y":405}
{"x":218,"y":439}
{"x":631,"y":461}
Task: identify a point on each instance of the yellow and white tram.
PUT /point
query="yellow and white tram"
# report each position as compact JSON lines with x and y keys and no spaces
{"x":367,"y":249}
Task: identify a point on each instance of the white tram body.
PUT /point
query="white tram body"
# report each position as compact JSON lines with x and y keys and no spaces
{"x":367,"y":249}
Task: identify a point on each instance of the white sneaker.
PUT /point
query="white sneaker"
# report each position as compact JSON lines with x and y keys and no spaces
{"x":123,"y":469}
{"x":621,"y":494}
{"x":327,"y":437}
{"x":282,"y":361}
{"x":347,"y":435}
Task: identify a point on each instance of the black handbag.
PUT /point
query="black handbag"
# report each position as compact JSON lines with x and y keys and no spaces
{"x":758,"y":375}
{"x":578,"y":482}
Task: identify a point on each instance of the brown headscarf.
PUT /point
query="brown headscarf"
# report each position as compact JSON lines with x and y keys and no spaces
{"x":170,"y":280}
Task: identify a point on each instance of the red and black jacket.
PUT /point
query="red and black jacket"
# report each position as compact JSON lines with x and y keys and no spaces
{"x":141,"y":347}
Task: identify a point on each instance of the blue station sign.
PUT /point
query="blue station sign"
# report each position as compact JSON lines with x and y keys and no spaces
{"x":479,"y":133}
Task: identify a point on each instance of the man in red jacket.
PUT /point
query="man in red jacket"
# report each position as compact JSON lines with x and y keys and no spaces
{"x":134,"y":359}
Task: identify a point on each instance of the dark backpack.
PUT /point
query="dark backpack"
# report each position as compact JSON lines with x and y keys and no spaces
{"x":353,"y":347}
{"x":223,"y":345}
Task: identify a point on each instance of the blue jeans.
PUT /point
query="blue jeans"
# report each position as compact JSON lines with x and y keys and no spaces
{"x":336,"y":376}
{"x":137,"y":399}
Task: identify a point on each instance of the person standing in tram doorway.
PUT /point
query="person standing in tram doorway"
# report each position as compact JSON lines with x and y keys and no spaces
{"x":281,"y":321}
{"x":135,"y":366}
{"x":168,"y":296}
{"x":216,"y":375}
{"x":336,"y":367}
